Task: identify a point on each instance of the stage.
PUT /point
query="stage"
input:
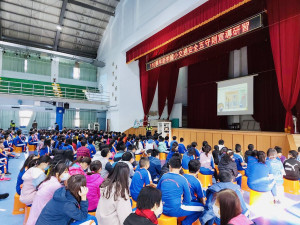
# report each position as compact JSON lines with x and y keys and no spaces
{"x":261,"y":140}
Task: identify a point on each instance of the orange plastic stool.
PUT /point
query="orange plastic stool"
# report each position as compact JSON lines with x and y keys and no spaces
{"x":134,"y":204}
{"x":185,"y":171}
{"x":138,"y":157}
{"x":291,"y":186}
{"x":244,"y":184}
{"x":206,"y":180}
{"x":27,"y":211}
{"x":255,"y":196}
{"x":17,"y":149}
{"x":242,"y":172}
{"x":162,"y":156}
{"x":167,"y":220}
{"x":217,"y":168}
{"x":19,"y":207}
{"x":92,"y":213}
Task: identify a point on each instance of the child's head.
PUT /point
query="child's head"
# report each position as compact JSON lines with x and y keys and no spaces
{"x":216,"y":148}
{"x":206,"y":149}
{"x":238,"y":148}
{"x":161,"y":139}
{"x":203,"y":143}
{"x":30,"y":159}
{"x":105,"y":153}
{"x":279,"y":151}
{"x":181,"y":140}
{"x":272,"y":153}
{"x":60,"y":171}
{"x":127,"y":156}
{"x":84,"y":162}
{"x":144,"y":162}
{"x":31,"y":133}
{"x":261,"y":155}
{"x":174,"y":147}
{"x":250,"y":147}
{"x":293,"y":154}
{"x":194,"y":166}
{"x":153,"y":153}
{"x":225,"y":176}
{"x":227,"y":205}
{"x":19,"y":132}
{"x":74,"y":185}
{"x":175,"y":163}
{"x":83,"y":142}
{"x":221,"y":142}
{"x":167,"y":138}
{"x":96,"y":166}
{"x":150,"y":198}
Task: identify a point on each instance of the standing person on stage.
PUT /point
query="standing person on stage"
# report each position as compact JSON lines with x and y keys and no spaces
{"x":148,"y":130}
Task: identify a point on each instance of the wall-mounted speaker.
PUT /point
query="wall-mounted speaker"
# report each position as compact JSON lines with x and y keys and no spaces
{"x":66,"y":105}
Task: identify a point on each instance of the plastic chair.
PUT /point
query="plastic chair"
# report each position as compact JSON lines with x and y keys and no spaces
{"x":138,"y":157}
{"x":19,"y":207}
{"x":185,"y":171}
{"x":206,"y":180}
{"x":162,"y":156}
{"x":242,"y":172}
{"x":217,"y":168}
{"x":17,"y":149}
{"x":180,"y":219}
{"x":256,"y":197}
{"x":27,"y":212}
{"x":92,"y":213}
{"x":134,"y":204}
{"x":167,"y":220}
{"x":291,"y":186}
{"x":244,"y":184}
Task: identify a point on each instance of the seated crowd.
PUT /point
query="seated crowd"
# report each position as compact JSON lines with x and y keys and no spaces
{"x":79,"y":176}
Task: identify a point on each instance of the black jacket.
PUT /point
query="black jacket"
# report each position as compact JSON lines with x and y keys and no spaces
{"x":134,"y":219}
{"x":292,"y":169}
{"x":228,"y":166}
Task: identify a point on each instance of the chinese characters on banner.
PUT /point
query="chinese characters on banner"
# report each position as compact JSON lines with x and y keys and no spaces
{"x":222,"y":36}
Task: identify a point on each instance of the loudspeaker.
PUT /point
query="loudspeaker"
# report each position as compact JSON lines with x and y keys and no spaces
{"x":66,"y":106}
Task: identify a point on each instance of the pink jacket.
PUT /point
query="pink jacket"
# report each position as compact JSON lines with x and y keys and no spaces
{"x":28,"y":191}
{"x":76,"y":169}
{"x":240,"y":219}
{"x":93,"y":183}
{"x":42,"y":197}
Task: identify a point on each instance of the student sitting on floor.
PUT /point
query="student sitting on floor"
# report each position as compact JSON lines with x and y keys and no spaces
{"x":225,"y":178}
{"x":207,"y":161}
{"x":58,"y":173}
{"x":187,"y":157}
{"x":69,"y":204}
{"x":162,"y":145}
{"x":292,"y":166}
{"x":155,"y":165}
{"x":239,"y":158}
{"x":228,"y":208}
{"x":149,"y":208}
{"x":33,"y":177}
{"x":114,"y":205}
{"x":93,"y":183}
{"x":260,"y":177}
{"x":181,"y":147}
{"x":103,"y":156}
{"x":141,"y":178}
{"x":173,"y":186}
{"x":194,"y":183}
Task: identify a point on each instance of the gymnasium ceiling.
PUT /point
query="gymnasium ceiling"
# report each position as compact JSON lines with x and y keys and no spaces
{"x":69,"y":26}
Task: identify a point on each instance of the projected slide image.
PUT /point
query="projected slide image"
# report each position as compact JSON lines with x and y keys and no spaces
{"x":232,"y":98}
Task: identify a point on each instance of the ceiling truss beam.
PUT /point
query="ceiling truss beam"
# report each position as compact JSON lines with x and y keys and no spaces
{"x":60,"y":22}
{"x":81,"y":4}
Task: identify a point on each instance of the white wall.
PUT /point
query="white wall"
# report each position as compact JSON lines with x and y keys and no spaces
{"x":135,"y":21}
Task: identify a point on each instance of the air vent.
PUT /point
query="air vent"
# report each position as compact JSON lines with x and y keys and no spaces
{"x":50,"y":109}
{"x":15,"y":107}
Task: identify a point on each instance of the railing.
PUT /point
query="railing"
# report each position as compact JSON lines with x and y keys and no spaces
{"x":52,"y":91}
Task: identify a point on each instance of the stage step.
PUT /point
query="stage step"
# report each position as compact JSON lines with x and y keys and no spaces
{"x":296,"y":140}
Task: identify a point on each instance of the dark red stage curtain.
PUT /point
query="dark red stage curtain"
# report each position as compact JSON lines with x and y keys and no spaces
{"x":202,"y":93}
{"x":268,"y":108}
{"x":167,"y":83}
{"x":284,"y":24}
{"x":200,"y":16}
{"x":148,"y":83}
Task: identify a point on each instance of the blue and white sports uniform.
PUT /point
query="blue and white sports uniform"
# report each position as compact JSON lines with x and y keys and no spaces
{"x":140,"y":179}
{"x":173,"y":186}
{"x":238,"y":160}
{"x":195,"y":187}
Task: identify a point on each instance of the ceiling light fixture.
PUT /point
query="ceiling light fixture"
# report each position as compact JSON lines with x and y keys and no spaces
{"x":58,"y":27}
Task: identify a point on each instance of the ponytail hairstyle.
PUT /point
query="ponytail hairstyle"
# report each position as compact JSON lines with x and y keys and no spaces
{"x":261,"y":157}
{"x":38,"y":161}
{"x":174,"y":146}
{"x":206,"y":149}
{"x":95,"y":166}
{"x":29,"y":161}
